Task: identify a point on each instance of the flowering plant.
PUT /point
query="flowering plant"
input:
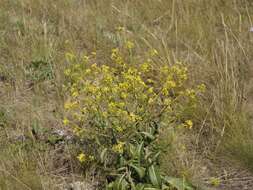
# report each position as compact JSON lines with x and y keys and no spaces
{"x":110,"y":103}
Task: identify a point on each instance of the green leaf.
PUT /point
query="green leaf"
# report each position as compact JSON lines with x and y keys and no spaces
{"x":140,"y":187}
{"x":165,"y":187}
{"x":110,"y":186}
{"x":121,"y":183}
{"x":155,"y":157}
{"x":178,"y":183}
{"x":139,"y":170}
{"x":130,"y":179}
{"x":122,"y":161}
{"x":140,"y":151}
{"x":148,"y":135}
{"x":132,"y":150}
{"x":103,"y":155}
{"x":124,"y":185}
{"x":154,"y":176}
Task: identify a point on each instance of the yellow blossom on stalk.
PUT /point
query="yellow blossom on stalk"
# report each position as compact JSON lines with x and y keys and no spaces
{"x":151,"y":90}
{"x":105,"y":89}
{"x":151,"y":101}
{"x":82,"y":157}
{"x":123,"y":95}
{"x":115,"y":50}
{"x":87,"y":71}
{"x":190,"y":93}
{"x":120,"y":28}
{"x":119,"y":128}
{"x":121,"y":104}
{"x":150,"y":81}
{"x":171,"y":84}
{"x":115,"y":53}
{"x":65,"y":121}
{"x":67,"y":72}
{"x":85,"y":58}
{"x":134,"y":117}
{"x":201,"y":87}
{"x":115,"y":56}
{"x":70,"y":105}
{"x":104,"y":114}
{"x":91,"y":158}
{"x":189,"y":124}
{"x":129,"y":44}
{"x":77,"y":66}
{"x":215,"y":181}
{"x":153,"y":52}
{"x":75,"y":94}
{"x":167,"y":101}
{"x":145,"y":67}
{"x":165,"y":91}
{"x":119,"y":147}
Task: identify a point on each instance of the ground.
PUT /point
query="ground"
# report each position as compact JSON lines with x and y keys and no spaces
{"x":212,"y":38}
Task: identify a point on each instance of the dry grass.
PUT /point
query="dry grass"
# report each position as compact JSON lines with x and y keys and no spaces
{"x":212,"y":37}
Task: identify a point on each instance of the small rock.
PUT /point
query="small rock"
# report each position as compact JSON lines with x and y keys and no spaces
{"x":78,"y":185}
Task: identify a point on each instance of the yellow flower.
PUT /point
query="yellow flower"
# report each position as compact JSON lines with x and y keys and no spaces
{"x":153,"y":52}
{"x":87,"y":71}
{"x":82,"y":157}
{"x":94,"y":53}
{"x":91,"y":158}
{"x":105,"y":114}
{"x":129,"y":45}
{"x":165,"y":92}
{"x":67,"y":72}
{"x":123,"y":95}
{"x":190,"y":93}
{"x":202,"y":88}
{"x":145,"y":67}
{"x":115,"y":50}
{"x":65,"y":121}
{"x":167,"y":101}
{"x":215,"y":181}
{"x":150,"y":81}
{"x":119,"y":129}
{"x":119,"y":147}
{"x":132,"y":117}
{"x":150,"y":90}
{"x":150,"y":101}
{"x":85,"y":58}
{"x":75,"y":94}
{"x":120,"y":28}
{"x":70,"y":105}
{"x":171,"y":84}
{"x":189,"y":124}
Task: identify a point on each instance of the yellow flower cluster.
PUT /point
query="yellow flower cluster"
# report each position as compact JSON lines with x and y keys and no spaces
{"x":188,"y":124}
{"x":119,"y":147}
{"x":121,"y":96}
{"x":82,"y":158}
{"x":129,"y":45}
